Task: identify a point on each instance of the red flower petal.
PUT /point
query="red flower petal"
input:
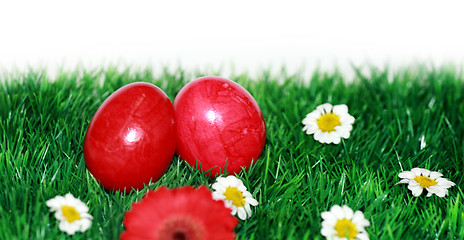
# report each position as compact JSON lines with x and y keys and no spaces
{"x":179,"y":213}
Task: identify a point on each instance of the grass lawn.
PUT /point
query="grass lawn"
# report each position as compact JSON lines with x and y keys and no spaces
{"x":413,"y":118}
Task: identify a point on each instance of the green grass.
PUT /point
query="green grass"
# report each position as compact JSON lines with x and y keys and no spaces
{"x":43,"y":125}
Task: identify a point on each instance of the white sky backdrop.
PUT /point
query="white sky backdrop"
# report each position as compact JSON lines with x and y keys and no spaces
{"x":251,"y":34}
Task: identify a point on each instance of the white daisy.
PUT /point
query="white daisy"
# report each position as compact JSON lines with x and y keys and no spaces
{"x":341,"y":223}
{"x":329,"y":123}
{"x":72,"y":213}
{"x":235,"y":195}
{"x":420,"y":178}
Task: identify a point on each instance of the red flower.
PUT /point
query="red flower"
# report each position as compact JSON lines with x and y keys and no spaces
{"x":179,"y":214}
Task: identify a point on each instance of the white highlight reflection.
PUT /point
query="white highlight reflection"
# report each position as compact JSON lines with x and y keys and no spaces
{"x":133,"y":135}
{"x":211,"y":115}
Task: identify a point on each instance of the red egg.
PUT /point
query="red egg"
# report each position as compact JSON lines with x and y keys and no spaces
{"x":131,"y":138}
{"x":218,"y":121}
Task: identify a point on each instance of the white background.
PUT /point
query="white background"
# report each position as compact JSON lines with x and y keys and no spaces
{"x":236,"y":35}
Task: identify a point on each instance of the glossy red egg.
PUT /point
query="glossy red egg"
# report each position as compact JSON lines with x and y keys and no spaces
{"x":217,"y":120}
{"x":131,"y":138}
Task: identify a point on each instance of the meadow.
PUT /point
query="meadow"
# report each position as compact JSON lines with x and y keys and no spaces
{"x":408,"y":118}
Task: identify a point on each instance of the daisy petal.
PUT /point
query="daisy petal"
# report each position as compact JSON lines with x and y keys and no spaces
{"x":362,"y":236}
{"x":416,"y":190}
{"x":435,"y":175}
{"x":326,"y":215}
{"x":425,"y":172}
{"x":340,"y":109}
{"x":325,"y":108}
{"x":443,"y":182}
{"x":252,"y":201}
{"x":318,"y":136}
{"x":241,"y":213}
{"x":335,"y":140}
{"x":342,"y":132}
{"x":359,"y":219}
{"x":416,"y":171}
{"x":440,"y":192}
{"x":406,"y":174}
{"x":403,"y":181}
{"x":337,"y":211}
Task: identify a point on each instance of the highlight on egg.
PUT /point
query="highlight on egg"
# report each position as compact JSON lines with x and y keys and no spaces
{"x":131,"y":139}
{"x":219,"y":126}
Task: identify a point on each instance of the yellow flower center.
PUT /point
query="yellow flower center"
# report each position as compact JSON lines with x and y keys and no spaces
{"x":346,"y":228}
{"x":70,"y":213}
{"x":424,"y":181}
{"x":235,"y":195}
{"x":327,"y":122}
